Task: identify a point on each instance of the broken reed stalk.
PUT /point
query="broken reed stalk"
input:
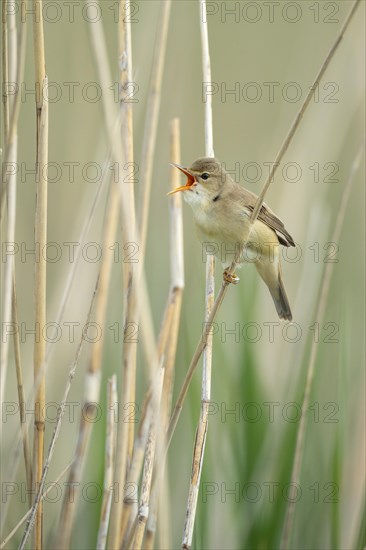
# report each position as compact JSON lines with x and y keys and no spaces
{"x":319,"y":316}
{"x":41,"y":264}
{"x":125,"y":435}
{"x":221,"y":295}
{"x":201,"y":433}
{"x":56,"y":431}
{"x":110,"y":449}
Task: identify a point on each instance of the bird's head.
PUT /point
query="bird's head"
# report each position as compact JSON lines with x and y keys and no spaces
{"x":205,"y":180}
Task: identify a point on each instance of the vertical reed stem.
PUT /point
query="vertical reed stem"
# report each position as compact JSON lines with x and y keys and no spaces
{"x":41,"y":265}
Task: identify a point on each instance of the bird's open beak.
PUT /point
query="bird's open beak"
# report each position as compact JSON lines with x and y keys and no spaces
{"x":190,"y":181}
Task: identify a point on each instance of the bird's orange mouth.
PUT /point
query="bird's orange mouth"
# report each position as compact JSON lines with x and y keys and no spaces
{"x":190,"y":181}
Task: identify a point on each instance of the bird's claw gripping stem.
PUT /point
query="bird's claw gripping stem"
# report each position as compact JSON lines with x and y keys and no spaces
{"x":230,"y":278}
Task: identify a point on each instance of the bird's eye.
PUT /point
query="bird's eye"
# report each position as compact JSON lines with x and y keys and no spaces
{"x":205,"y":176}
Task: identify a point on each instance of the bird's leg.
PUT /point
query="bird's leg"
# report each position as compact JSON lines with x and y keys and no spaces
{"x":230,"y":277}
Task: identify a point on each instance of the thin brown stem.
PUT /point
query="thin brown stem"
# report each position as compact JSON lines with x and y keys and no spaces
{"x":300,"y":114}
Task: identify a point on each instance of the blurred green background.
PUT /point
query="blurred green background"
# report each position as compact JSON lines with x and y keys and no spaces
{"x":258,"y":381}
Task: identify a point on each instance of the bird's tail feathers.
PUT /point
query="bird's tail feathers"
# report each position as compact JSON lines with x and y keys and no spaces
{"x":281,"y":301}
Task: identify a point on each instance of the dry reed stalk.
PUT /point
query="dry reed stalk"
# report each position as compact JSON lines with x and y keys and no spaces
{"x":151,"y":120}
{"x":221,"y":295}
{"x":13,"y":72}
{"x":143,"y":511}
{"x":147,"y":160}
{"x":170,"y":325}
{"x":151,"y":419}
{"x":10,"y":68}
{"x":166,"y":353}
{"x":151,"y":404}
{"x":150,"y":408}
{"x":137,"y":533}
{"x":5,"y":72}
{"x":161,"y":502}
{"x":146,"y":409}
{"x":319,"y":316}
{"x":93,"y":375}
{"x":9,"y":262}
{"x":28,"y":513}
{"x":176,"y":271}
{"x":147,"y":328}
{"x":92,"y":378}
{"x":125,"y":430}
{"x":115,"y":153}
{"x":21,"y":395}
{"x":56,"y":432}
{"x":110,"y":449}
{"x":201,"y":433}
{"x":41,"y":264}
{"x":64,"y":299}
{"x":14,"y":57}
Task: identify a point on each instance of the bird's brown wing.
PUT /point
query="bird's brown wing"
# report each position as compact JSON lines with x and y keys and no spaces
{"x":268,"y":217}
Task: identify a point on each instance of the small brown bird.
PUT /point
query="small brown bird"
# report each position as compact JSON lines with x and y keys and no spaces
{"x":222,"y":210}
